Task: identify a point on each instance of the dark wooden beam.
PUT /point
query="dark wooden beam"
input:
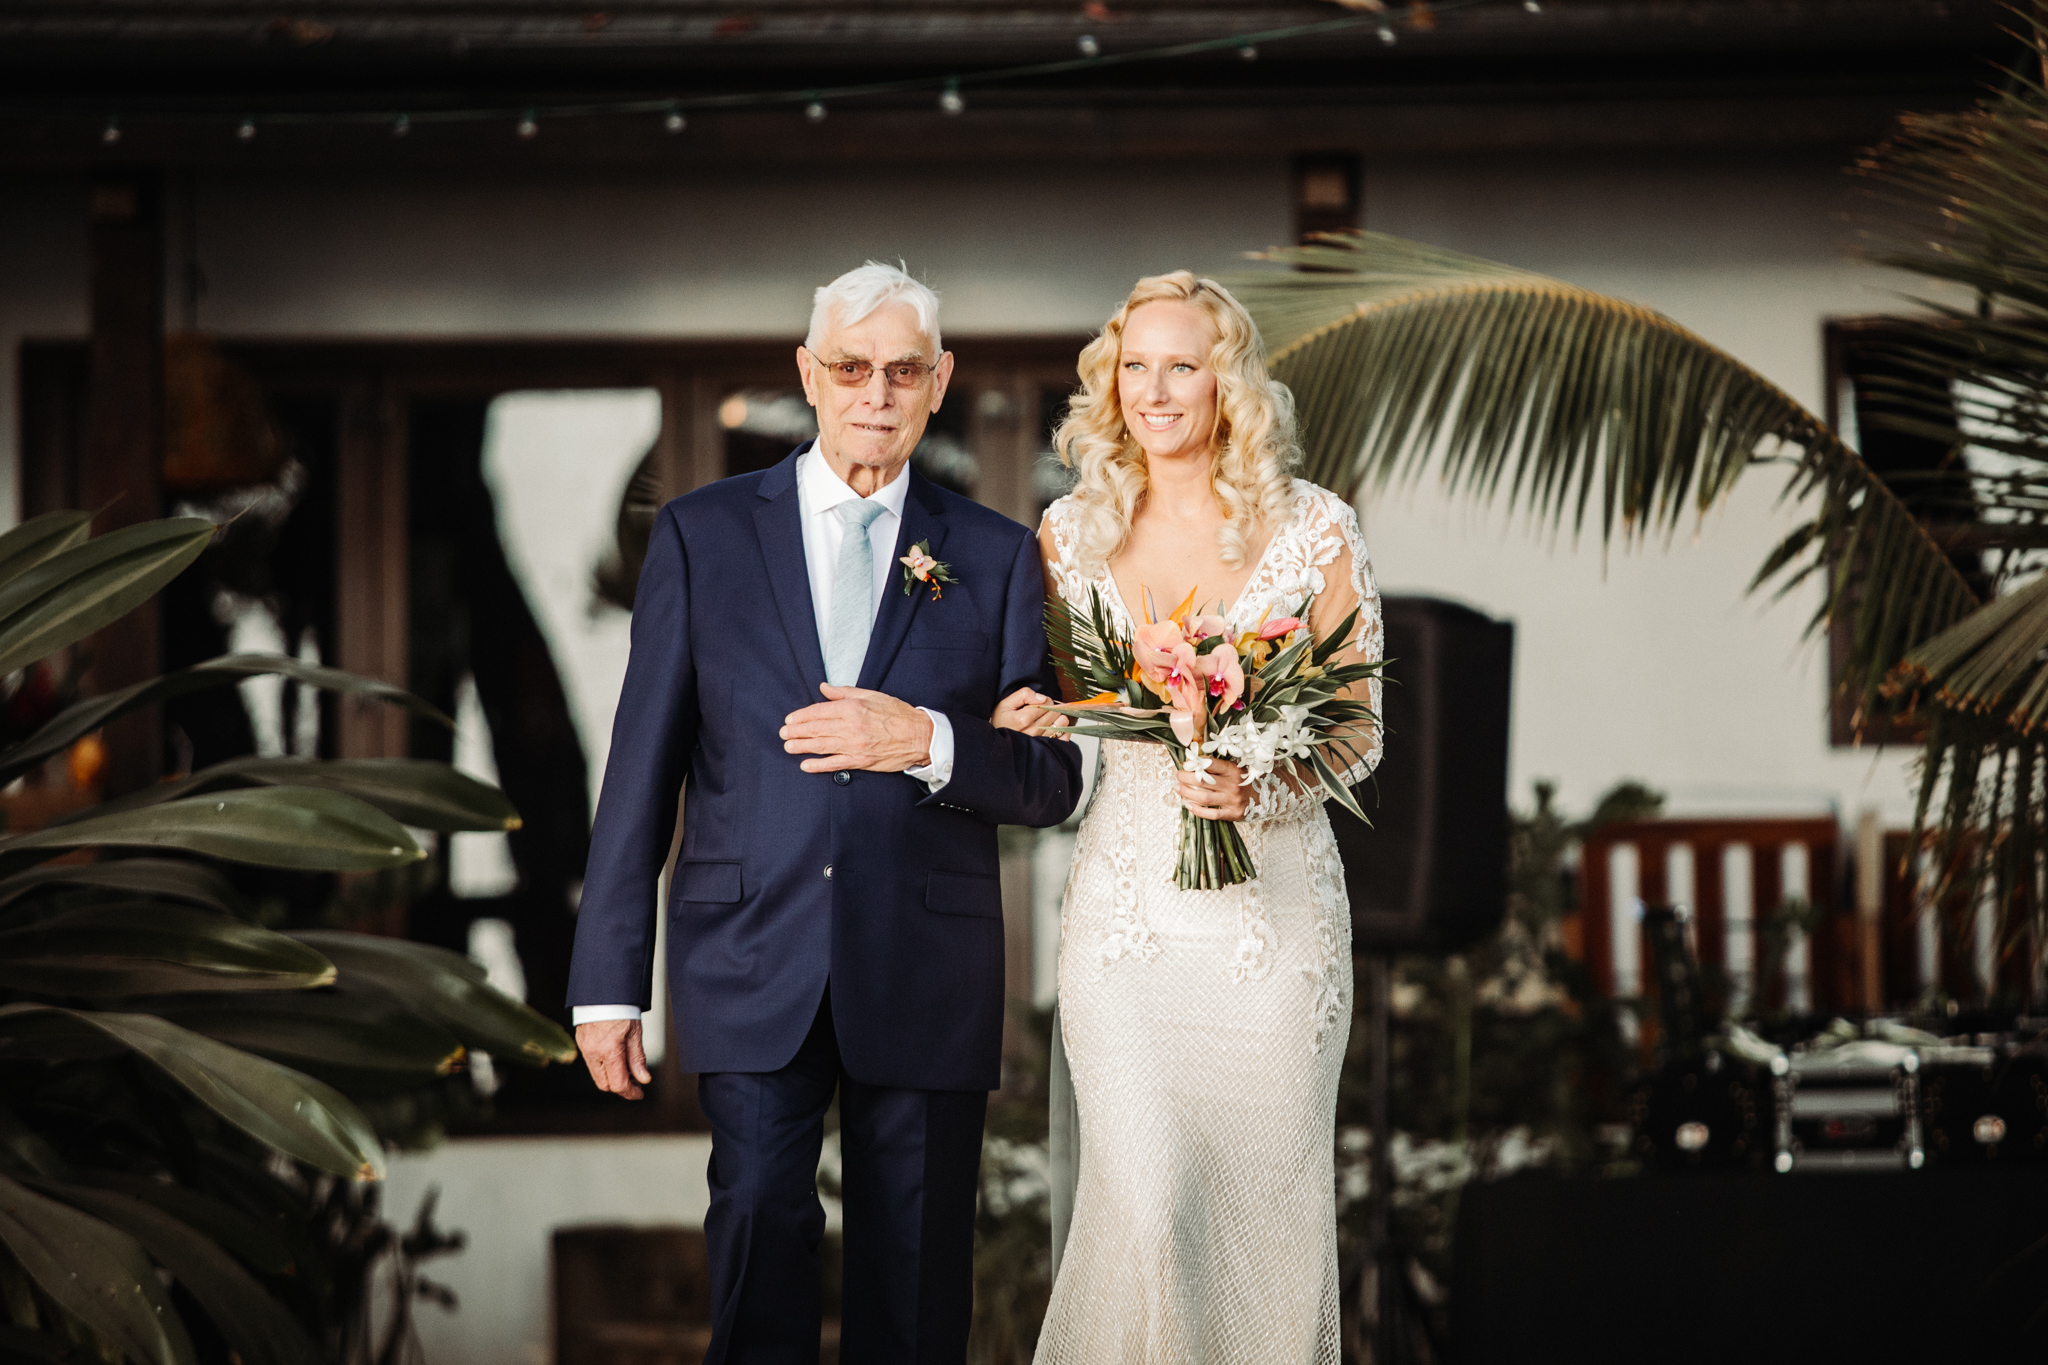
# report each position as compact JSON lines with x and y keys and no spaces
{"x":121,"y":474}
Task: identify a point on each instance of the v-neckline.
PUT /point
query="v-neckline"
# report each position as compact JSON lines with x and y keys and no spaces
{"x":1258,"y":564}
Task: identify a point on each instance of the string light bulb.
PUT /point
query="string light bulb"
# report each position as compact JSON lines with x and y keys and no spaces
{"x":674,"y":122}
{"x":1533,"y":6}
{"x":247,"y":131}
{"x":1248,"y":53}
{"x":950,"y":102}
{"x":815,"y":112}
{"x":1388,"y":36}
{"x":528,"y":125}
{"x":111,"y":134}
{"x":401,"y":126}
{"x":1089,"y":47}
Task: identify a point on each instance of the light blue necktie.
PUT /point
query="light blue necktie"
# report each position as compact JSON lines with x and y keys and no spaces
{"x":853,"y":594}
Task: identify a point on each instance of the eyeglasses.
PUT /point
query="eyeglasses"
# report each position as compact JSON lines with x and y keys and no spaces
{"x":901,"y":374}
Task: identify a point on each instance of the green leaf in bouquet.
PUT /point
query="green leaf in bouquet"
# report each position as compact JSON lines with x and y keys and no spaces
{"x":73,"y":593}
{"x":95,"y":1273}
{"x":39,"y":538}
{"x":361,"y":1039}
{"x":1334,"y":785}
{"x":82,"y":718}
{"x":289,"y":827}
{"x":303,"y":1118}
{"x":259,"y":1329}
{"x":1335,"y":640}
{"x":414,"y":791}
{"x":449,"y":989}
{"x":147,"y":948}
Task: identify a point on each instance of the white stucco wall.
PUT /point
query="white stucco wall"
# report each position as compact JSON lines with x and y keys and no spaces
{"x":508,"y":1195}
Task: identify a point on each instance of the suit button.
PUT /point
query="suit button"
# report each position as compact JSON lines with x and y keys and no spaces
{"x":828,"y":872}
{"x":842,"y":778}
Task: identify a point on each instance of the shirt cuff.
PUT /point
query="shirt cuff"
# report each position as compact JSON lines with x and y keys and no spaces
{"x":593,"y":1014}
{"x":939,"y":771}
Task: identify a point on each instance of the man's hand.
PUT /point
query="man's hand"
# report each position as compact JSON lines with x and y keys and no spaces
{"x":855,"y":728}
{"x":612,"y":1050}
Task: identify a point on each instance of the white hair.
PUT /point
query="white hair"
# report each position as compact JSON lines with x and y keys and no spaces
{"x":858,"y":293}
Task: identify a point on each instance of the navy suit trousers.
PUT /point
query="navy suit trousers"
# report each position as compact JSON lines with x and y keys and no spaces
{"x":910,"y":1164}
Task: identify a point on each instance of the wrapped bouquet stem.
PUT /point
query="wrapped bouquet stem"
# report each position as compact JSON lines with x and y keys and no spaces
{"x":1274,"y":700}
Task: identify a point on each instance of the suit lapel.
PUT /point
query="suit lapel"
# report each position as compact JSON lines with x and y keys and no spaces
{"x":923,"y":519}
{"x":778,"y":521}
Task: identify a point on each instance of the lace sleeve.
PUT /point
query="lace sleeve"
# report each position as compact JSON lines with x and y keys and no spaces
{"x":1062,"y":578}
{"x":1346,"y":573}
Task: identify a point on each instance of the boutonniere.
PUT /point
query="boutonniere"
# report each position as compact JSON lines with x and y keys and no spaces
{"x":920,"y":567}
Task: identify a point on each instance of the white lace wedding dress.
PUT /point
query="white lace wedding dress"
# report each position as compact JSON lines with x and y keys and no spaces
{"x":1205,"y":1029}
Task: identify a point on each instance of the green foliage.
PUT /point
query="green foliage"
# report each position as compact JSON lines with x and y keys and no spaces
{"x":1013,"y":1217}
{"x":187,"y":1096}
{"x":1503,"y":1057}
{"x":1583,"y":408}
{"x":1973,"y":373}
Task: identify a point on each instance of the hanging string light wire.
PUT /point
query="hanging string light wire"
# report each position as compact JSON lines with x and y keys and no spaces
{"x":813,"y":100}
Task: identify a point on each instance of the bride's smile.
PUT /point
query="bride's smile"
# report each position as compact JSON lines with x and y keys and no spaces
{"x":1164,"y":383}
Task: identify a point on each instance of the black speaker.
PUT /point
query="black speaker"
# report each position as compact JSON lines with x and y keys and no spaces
{"x":1430,"y":873}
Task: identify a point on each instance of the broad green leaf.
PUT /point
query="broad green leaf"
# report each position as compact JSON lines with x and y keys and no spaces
{"x":26,"y":1343}
{"x":38,"y":538}
{"x":414,"y":791}
{"x":360,"y":1038}
{"x":83,"y":717}
{"x":192,"y":882}
{"x":95,"y":1273}
{"x":291,"y":827}
{"x":305,"y":1119}
{"x":145,"y":948}
{"x":25,"y":1151}
{"x":449,"y":989}
{"x":258,"y":1328}
{"x":250,"y":1238}
{"x":72,"y":594}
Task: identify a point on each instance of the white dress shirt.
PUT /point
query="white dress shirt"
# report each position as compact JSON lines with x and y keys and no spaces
{"x":818,"y":491}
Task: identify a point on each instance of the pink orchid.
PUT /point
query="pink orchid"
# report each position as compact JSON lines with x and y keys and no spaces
{"x":1183,"y":723}
{"x":919,"y":563}
{"x":1202,"y":627}
{"x":1156,"y":650}
{"x":1224,"y":674}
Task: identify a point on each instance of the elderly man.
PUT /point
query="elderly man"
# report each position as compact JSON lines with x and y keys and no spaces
{"x":817,"y":650}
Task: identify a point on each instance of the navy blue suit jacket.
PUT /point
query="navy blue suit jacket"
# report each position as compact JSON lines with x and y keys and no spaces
{"x":786,"y":879}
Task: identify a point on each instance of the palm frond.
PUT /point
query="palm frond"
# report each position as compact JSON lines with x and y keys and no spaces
{"x":1580,"y":407}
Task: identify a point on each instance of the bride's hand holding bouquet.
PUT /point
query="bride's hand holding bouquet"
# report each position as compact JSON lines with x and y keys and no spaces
{"x":1233,"y":708}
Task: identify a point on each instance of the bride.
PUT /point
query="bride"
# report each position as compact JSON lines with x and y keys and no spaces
{"x":1204,"y":1029}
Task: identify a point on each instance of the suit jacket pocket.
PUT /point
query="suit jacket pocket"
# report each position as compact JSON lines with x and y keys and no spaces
{"x":717,"y":883}
{"x":939,"y":637}
{"x":964,"y":893}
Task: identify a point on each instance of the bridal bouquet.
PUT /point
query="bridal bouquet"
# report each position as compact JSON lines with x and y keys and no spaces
{"x":1261,"y":697}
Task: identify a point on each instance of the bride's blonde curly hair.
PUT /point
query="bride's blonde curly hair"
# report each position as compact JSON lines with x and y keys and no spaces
{"x":1255,"y":449}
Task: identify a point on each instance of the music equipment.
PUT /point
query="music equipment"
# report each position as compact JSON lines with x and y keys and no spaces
{"x":1430,"y":873}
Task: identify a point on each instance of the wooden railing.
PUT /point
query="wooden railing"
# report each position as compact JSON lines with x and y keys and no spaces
{"x":1825,"y":971}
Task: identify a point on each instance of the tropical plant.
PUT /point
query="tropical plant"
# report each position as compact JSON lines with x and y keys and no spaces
{"x":186,"y":1094}
{"x":1589,"y":411}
